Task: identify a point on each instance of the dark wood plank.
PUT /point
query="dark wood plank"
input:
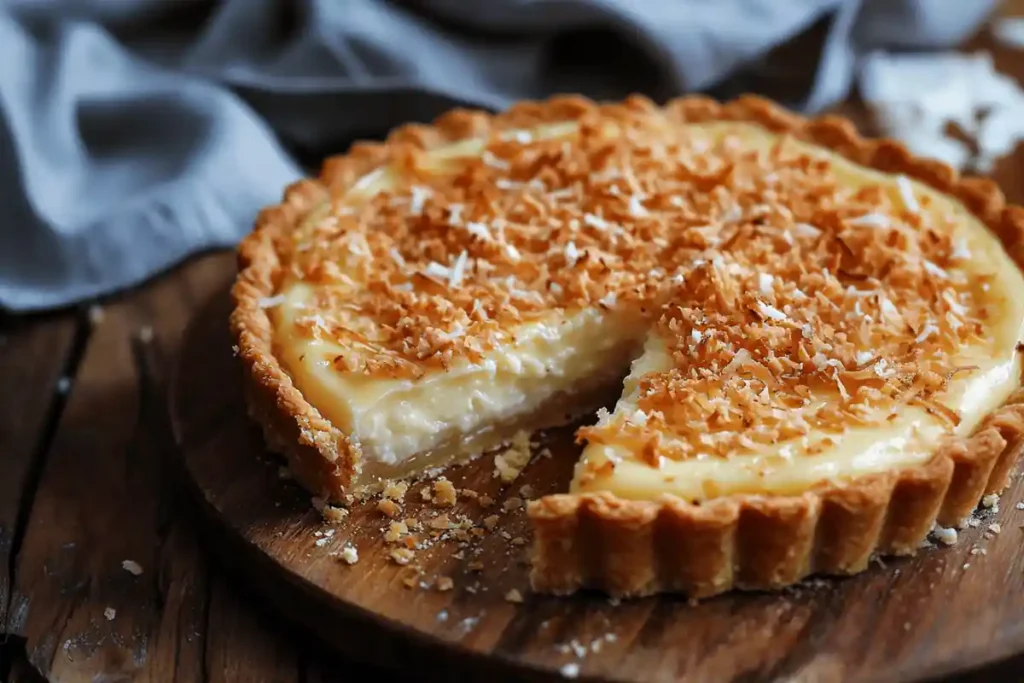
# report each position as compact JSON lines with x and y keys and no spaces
{"x":103,"y":499}
{"x":34,"y":353}
{"x":942,"y":611}
{"x":240,"y":645}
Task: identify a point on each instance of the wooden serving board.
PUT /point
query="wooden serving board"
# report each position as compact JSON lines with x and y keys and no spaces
{"x":946,"y":610}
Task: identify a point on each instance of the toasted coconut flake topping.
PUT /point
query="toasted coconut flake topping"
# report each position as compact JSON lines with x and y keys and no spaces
{"x":790,"y":300}
{"x":907,"y":194}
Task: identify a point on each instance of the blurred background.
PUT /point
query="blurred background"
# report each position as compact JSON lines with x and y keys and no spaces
{"x":136,"y":132}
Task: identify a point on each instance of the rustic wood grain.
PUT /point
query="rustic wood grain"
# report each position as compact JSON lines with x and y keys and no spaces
{"x":102,"y":500}
{"x":945,"y":610}
{"x":34,"y":353}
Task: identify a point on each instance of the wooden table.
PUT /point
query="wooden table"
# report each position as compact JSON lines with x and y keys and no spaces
{"x":85,"y":491}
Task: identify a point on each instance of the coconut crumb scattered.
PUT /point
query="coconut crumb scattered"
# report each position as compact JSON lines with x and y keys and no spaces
{"x":389,"y":507}
{"x":402,"y":556}
{"x":995,"y":528}
{"x":396,"y":531}
{"x":110,"y":613}
{"x":333,"y":514}
{"x":570,"y":670}
{"x":444,"y":492}
{"x":395,"y":490}
{"x":945,"y":535}
{"x":991,"y":501}
{"x":349,"y":554}
{"x":508,"y":465}
{"x":132,"y":567}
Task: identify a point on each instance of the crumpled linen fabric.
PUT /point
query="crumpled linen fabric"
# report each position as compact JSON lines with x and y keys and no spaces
{"x":134,"y":133}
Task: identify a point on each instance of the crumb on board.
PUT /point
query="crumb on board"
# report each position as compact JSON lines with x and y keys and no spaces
{"x":444,"y":492}
{"x":395,"y":490}
{"x":389,"y":507}
{"x":333,"y":514}
{"x":349,"y":554}
{"x":945,"y":535}
{"x":395,"y":531}
{"x":132,"y":567}
{"x":570,"y":670}
{"x":402,"y":556}
{"x":444,"y":583}
{"x":514,"y":596}
{"x":509,"y":464}
{"x":110,"y":613}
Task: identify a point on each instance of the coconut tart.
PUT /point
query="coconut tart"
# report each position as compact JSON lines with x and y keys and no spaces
{"x":818,"y":332}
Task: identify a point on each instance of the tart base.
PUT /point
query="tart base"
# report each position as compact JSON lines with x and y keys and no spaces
{"x":635,"y":548}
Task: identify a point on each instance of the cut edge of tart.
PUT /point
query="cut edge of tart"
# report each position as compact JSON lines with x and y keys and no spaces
{"x":636,"y":547}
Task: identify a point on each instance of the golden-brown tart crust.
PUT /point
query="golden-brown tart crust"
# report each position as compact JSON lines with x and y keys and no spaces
{"x":641,"y":547}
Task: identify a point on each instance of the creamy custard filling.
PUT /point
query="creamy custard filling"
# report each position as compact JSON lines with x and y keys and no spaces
{"x":442,"y":411}
{"x":397,"y":419}
{"x":442,"y":414}
{"x":794,"y":466}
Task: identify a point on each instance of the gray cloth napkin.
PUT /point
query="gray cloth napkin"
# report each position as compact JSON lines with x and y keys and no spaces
{"x":136,"y":132}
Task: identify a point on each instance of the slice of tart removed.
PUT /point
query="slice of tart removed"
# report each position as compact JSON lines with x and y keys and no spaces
{"x":823,"y":332}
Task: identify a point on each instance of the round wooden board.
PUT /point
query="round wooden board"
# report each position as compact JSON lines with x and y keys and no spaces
{"x":946,"y":610}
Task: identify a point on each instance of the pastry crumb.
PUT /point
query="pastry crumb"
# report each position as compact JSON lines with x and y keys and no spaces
{"x":570,"y":670}
{"x":485,"y":501}
{"x":395,"y":531}
{"x":491,"y":521}
{"x":514,"y":596}
{"x":513,"y":503}
{"x":402,"y":556}
{"x":349,"y":554}
{"x":110,"y":613}
{"x":132,"y":567}
{"x":395,"y":490}
{"x":945,"y":535}
{"x":509,"y":464}
{"x":333,"y":514}
{"x":444,"y":583}
{"x":440,"y":522}
{"x":995,"y":528}
{"x":389,"y":507}
{"x":444,"y":492}
{"x":991,"y":501}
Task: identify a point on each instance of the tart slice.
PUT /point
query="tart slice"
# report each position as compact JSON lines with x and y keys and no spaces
{"x":818,"y":333}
